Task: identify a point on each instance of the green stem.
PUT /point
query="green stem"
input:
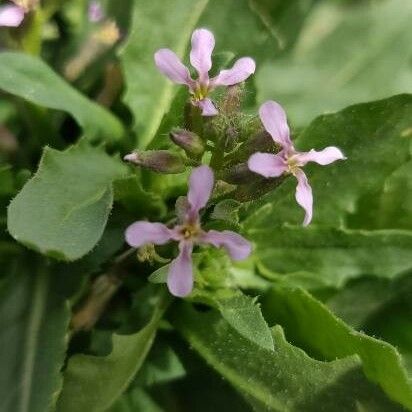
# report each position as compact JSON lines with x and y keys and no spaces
{"x":31,"y":39}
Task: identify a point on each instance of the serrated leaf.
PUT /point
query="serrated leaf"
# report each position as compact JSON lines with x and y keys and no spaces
{"x":92,"y":383}
{"x":309,"y":324}
{"x":30,"y":78}
{"x":285,"y":379}
{"x":63,"y":209}
{"x":241,"y":312}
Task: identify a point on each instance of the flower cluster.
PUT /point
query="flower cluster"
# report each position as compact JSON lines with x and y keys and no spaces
{"x":283,"y":160}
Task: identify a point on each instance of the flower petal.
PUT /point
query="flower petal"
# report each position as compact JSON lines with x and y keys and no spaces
{"x":267,"y":164}
{"x":236,"y":245}
{"x":201,"y":183}
{"x":172,"y":67}
{"x":95,"y":11}
{"x":304,"y":196}
{"x":207,"y":106}
{"x":11,"y":15}
{"x":240,"y":71}
{"x":141,"y":233}
{"x":275,"y":122}
{"x":180,"y":277}
{"x":203,"y":43}
{"x":324,"y":157}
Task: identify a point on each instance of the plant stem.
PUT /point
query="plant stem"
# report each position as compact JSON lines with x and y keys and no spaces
{"x":102,"y":290}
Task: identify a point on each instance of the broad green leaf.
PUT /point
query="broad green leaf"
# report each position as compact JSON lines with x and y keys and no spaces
{"x":34,"y":317}
{"x":156,"y":24}
{"x":277,"y":16}
{"x":362,"y":299}
{"x":396,"y":199}
{"x":261,"y":29}
{"x":63,"y":209}
{"x":242,"y":313}
{"x":331,"y":256}
{"x":285,"y":379}
{"x":32,"y":79}
{"x":93,"y":384}
{"x":345,"y":54}
{"x":342,"y":242}
{"x":309,"y":324}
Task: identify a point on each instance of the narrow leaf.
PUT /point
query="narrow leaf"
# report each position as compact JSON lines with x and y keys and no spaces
{"x":32,"y":79}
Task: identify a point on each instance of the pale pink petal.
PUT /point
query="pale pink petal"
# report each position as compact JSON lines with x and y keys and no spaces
{"x":141,"y":233}
{"x":324,"y":157}
{"x":267,"y":164}
{"x":11,"y":15}
{"x":207,"y":106}
{"x":304,"y":196}
{"x":172,"y":67}
{"x":236,"y":246}
{"x":201,"y":183}
{"x":180,"y":277}
{"x":240,"y":71}
{"x":275,"y":122}
{"x":203,"y":43}
{"x":95,"y":12}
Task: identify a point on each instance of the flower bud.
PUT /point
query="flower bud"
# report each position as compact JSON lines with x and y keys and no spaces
{"x":160,"y":161}
{"x":190,"y":142}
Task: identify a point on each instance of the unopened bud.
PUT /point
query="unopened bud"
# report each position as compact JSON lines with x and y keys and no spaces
{"x":160,"y":161}
{"x":190,"y":142}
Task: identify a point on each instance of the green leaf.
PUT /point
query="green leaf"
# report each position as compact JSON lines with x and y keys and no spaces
{"x":130,"y":193}
{"x":162,"y":366}
{"x":309,"y":324}
{"x":30,"y":78}
{"x":242,"y":313}
{"x":331,"y":256}
{"x":285,"y":379}
{"x":93,"y":384}
{"x":277,"y":15}
{"x":396,"y":200}
{"x":345,"y":54}
{"x":34,"y":317}
{"x":365,"y":298}
{"x":343,"y":241}
{"x":63,"y":209}
{"x":155,"y":25}
{"x":134,"y":401}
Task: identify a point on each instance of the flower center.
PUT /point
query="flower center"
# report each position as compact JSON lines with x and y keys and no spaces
{"x":189,"y":231}
{"x":200,"y":91}
{"x":293,"y":165}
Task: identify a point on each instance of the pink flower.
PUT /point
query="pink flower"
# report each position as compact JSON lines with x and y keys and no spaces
{"x":203,"y":43}
{"x":289,"y":160}
{"x":11,"y":15}
{"x":95,"y":12}
{"x":188,"y":233}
